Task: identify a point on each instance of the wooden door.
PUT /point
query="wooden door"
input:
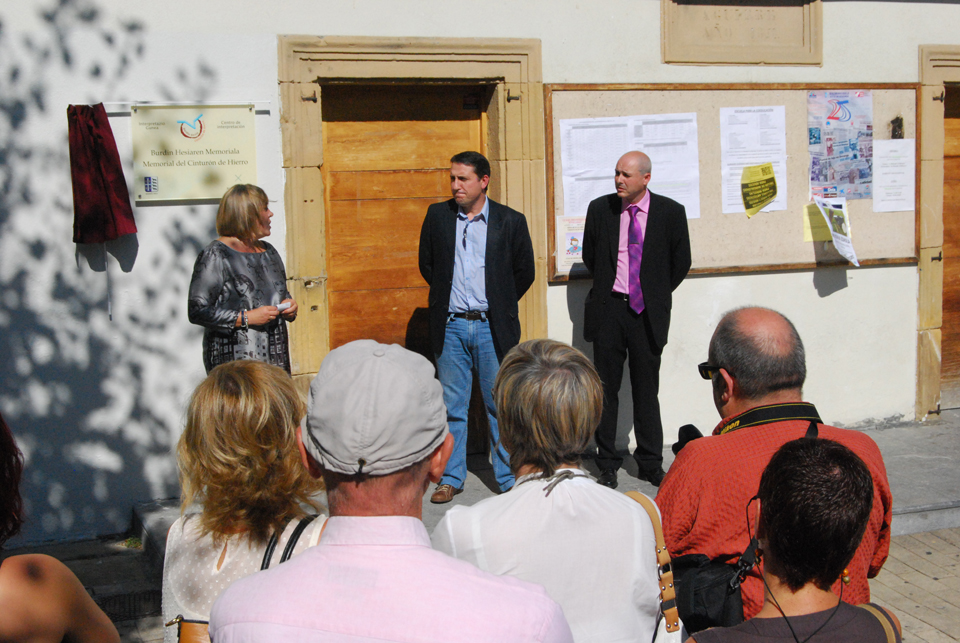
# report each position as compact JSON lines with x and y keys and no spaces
{"x":950,"y":338}
{"x":386,"y":157}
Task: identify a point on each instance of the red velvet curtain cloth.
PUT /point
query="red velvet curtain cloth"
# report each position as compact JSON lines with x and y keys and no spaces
{"x":101,"y":202}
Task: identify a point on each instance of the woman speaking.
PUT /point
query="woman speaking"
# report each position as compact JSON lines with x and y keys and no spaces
{"x":238,"y":292}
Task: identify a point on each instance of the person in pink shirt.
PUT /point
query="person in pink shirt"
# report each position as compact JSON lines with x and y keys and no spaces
{"x":376,"y":432}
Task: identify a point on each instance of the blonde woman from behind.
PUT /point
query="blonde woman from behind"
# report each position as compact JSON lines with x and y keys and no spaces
{"x":242,"y":481}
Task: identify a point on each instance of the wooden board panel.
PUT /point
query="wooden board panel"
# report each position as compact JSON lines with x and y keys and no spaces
{"x":345,"y":186}
{"x":386,"y":157}
{"x":375,"y":244}
{"x":951,"y":137}
{"x":384,"y":103}
{"x":396,"y":316}
{"x":397,"y":144}
{"x":950,"y":329}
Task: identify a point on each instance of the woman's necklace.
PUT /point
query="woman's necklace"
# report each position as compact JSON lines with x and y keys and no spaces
{"x":555,"y":479}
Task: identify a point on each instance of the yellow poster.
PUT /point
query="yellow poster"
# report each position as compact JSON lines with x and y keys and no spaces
{"x":814,"y":226}
{"x":758,"y":186}
{"x":191,"y":154}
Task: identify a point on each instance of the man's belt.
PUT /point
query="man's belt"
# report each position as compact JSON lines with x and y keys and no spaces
{"x":471,"y":315}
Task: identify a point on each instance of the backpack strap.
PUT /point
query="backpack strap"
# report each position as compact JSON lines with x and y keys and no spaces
{"x":812,"y":431}
{"x":884,"y":621}
{"x":668,"y":597}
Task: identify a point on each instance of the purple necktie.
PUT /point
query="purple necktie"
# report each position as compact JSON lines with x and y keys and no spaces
{"x":635,"y":251}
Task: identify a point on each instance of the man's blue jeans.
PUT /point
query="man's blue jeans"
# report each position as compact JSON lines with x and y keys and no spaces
{"x":468,"y":349}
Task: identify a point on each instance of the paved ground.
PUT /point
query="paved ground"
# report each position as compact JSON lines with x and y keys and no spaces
{"x":144,"y":630}
{"x":920,"y":582}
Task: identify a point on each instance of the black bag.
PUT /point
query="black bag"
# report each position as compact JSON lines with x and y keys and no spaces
{"x":708,"y":592}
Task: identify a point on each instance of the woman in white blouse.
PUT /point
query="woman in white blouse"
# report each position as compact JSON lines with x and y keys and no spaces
{"x":238,"y":458}
{"x":592,"y":548}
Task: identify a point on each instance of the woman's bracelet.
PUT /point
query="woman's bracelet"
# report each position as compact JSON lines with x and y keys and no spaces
{"x":243,"y":322}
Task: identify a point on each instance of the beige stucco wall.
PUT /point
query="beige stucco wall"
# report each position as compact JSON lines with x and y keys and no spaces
{"x":97,"y":404}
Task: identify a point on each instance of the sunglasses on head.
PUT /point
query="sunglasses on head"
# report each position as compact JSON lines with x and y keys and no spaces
{"x":707,"y":370}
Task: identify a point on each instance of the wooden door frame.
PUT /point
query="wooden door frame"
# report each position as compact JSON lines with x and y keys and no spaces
{"x":515,"y":146}
{"x":939,"y":64}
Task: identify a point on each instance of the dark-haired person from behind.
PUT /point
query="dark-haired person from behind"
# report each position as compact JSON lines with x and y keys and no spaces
{"x":815,"y":500}
{"x":40,"y":599}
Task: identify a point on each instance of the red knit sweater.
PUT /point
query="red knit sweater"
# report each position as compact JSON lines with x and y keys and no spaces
{"x":704,"y":495}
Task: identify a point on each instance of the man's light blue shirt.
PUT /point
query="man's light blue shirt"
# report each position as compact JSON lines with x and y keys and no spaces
{"x":469,"y":288}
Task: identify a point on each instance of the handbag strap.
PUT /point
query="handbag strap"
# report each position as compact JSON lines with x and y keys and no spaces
{"x":272,"y":544}
{"x":884,"y":621}
{"x":268,"y":552}
{"x":668,"y":597}
{"x":295,"y":536}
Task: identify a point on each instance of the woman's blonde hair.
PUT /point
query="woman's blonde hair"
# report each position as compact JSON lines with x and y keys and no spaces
{"x":238,"y":454}
{"x":549,"y":399}
{"x":239,"y":212}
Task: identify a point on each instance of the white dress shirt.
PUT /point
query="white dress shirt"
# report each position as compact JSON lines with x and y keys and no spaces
{"x":592,"y":548}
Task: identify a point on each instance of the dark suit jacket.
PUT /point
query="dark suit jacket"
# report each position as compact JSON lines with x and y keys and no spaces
{"x":666,"y":260}
{"x":509,"y":268}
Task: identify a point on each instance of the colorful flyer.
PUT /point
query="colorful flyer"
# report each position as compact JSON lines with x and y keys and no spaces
{"x":840,"y":132}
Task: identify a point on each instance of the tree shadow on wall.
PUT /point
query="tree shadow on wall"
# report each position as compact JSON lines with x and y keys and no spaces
{"x":95,"y":404}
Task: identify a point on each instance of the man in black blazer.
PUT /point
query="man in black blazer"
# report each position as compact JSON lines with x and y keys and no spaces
{"x":627,"y":312}
{"x":478,"y":259}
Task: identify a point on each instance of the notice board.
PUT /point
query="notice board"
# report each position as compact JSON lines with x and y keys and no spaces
{"x":770,"y":241}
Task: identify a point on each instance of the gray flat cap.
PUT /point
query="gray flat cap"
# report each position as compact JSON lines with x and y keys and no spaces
{"x":373,"y":408}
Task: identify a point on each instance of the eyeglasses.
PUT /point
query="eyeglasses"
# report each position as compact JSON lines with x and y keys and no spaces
{"x":707,"y":370}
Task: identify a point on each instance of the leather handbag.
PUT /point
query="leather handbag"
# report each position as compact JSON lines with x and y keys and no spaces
{"x":191,"y":631}
{"x":668,"y":621}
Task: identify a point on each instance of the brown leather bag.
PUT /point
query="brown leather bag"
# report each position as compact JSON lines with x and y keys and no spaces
{"x":668,"y":598}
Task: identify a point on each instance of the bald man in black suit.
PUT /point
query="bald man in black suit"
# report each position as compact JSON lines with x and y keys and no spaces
{"x":627,"y":323}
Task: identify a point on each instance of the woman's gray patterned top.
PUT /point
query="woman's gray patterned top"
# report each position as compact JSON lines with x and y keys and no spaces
{"x":225,"y":282}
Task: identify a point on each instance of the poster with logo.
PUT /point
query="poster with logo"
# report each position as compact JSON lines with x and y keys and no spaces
{"x":191,"y":154}
{"x":840,"y":131}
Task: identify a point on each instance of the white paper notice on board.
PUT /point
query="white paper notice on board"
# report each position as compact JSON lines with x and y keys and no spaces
{"x":894,"y":175}
{"x":591,"y":147}
{"x":752,"y":136}
{"x":670,"y":140}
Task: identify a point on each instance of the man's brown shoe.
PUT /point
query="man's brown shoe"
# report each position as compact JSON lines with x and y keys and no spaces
{"x":444,"y":493}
